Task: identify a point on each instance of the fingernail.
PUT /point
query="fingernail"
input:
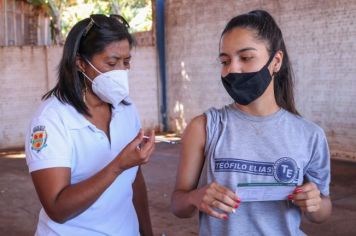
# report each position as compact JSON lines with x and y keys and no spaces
{"x":290,"y":197}
{"x":238,"y":200}
{"x":298,"y":190}
{"x":225,"y":217}
{"x":236,"y":206}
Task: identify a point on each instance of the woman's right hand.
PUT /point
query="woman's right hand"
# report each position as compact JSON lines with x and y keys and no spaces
{"x":137,"y":152}
{"x":214,"y":196}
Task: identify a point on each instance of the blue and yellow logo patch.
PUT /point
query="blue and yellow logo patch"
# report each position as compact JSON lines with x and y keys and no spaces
{"x":38,"y":138}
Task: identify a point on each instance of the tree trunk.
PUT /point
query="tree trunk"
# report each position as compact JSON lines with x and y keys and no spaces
{"x":55,"y":23}
{"x":115,"y":7}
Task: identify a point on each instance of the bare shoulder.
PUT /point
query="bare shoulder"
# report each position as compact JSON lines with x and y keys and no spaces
{"x":195,"y":131}
{"x":199,"y":120}
{"x":196,"y":124}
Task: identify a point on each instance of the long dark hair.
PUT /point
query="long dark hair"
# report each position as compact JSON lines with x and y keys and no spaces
{"x":87,"y":38}
{"x":267,"y":30}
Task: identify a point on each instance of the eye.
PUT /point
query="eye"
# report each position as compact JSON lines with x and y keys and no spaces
{"x":224,"y":62}
{"x":246,"y":59}
{"x":111,"y":63}
{"x":126,"y":62}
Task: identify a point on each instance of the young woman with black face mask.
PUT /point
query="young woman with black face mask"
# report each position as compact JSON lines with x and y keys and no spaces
{"x":85,"y":144}
{"x":255,"y":166}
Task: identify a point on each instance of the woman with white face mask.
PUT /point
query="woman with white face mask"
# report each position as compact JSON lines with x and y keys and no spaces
{"x":85,"y":144}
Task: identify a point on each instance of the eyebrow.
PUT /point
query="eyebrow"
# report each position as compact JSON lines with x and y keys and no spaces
{"x":222,"y":54}
{"x":118,"y":58}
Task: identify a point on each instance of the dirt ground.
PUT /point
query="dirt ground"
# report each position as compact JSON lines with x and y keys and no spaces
{"x":19,"y":204}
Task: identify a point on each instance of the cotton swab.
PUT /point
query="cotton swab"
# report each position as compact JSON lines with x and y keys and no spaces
{"x":159,"y":139}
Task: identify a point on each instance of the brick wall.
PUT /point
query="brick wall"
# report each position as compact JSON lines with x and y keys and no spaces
{"x":28,"y":72}
{"x":144,"y":85}
{"x":320,"y":37}
{"x":321,"y":40}
{"x":23,"y":81}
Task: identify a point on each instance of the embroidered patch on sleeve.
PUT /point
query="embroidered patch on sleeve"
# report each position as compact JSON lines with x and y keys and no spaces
{"x":38,"y":138}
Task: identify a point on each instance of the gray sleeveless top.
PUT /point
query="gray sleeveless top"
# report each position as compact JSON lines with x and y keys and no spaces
{"x":241,"y":148}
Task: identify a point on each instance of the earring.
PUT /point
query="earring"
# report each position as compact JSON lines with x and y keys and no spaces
{"x":84,"y":92}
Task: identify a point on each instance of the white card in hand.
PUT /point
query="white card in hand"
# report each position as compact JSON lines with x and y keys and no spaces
{"x":252,"y":192}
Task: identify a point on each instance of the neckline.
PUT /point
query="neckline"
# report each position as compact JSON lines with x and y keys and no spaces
{"x":77,"y":120}
{"x":246,"y":116}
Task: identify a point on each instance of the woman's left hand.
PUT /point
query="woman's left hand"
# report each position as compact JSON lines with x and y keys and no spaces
{"x":307,"y":197}
{"x":135,"y":154}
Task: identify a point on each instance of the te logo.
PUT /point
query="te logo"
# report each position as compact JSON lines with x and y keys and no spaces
{"x":285,"y":170}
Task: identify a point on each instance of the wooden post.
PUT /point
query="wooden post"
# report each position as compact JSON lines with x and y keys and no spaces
{"x":5,"y":20}
{"x":46,"y":27}
{"x":23,"y":22}
{"x":14,"y":21}
{"x":39,"y":38}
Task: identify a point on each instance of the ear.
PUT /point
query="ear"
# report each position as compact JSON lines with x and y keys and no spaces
{"x":80,"y":63}
{"x":277,"y":61}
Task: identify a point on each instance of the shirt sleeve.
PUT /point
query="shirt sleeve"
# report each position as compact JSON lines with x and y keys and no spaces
{"x":216,"y":122}
{"x":318,"y":170}
{"x":47,"y":143}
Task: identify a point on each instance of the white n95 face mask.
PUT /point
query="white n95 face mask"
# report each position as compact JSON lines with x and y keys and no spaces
{"x":112,"y":86}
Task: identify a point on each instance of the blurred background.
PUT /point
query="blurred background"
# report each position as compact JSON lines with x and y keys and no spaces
{"x":175,"y":72}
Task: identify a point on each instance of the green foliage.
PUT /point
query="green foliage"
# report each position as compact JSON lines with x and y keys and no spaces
{"x":138,"y":13}
{"x":36,"y":2}
{"x":64,"y":14}
{"x":76,"y":12}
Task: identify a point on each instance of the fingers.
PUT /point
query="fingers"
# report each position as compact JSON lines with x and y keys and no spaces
{"x":150,"y":151}
{"x":145,"y":149}
{"x":137,"y":152}
{"x":228,"y":192}
{"x":219,"y":204}
{"x":147,"y":146}
{"x":300,"y":195}
{"x":138,"y":139}
{"x":208,"y":205}
{"x":306,"y":191}
{"x":145,"y":154}
{"x":216,"y":214}
{"x":310,"y":205}
{"x":307,"y":187}
{"x":218,"y":197}
{"x":307,"y":197}
{"x":227,"y":197}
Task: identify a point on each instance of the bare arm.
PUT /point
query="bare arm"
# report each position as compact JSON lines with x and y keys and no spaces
{"x":140,"y":201}
{"x":63,"y":201}
{"x":186,"y":198}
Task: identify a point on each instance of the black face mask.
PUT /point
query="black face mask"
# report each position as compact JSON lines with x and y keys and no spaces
{"x":244,"y":88}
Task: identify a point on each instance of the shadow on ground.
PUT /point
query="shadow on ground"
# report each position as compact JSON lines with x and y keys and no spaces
{"x":19,"y":204}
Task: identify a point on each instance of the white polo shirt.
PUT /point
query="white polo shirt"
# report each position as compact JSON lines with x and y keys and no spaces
{"x":59,"y":136}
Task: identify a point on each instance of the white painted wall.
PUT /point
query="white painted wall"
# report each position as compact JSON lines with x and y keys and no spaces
{"x":321,"y":41}
{"x":28,"y":72}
